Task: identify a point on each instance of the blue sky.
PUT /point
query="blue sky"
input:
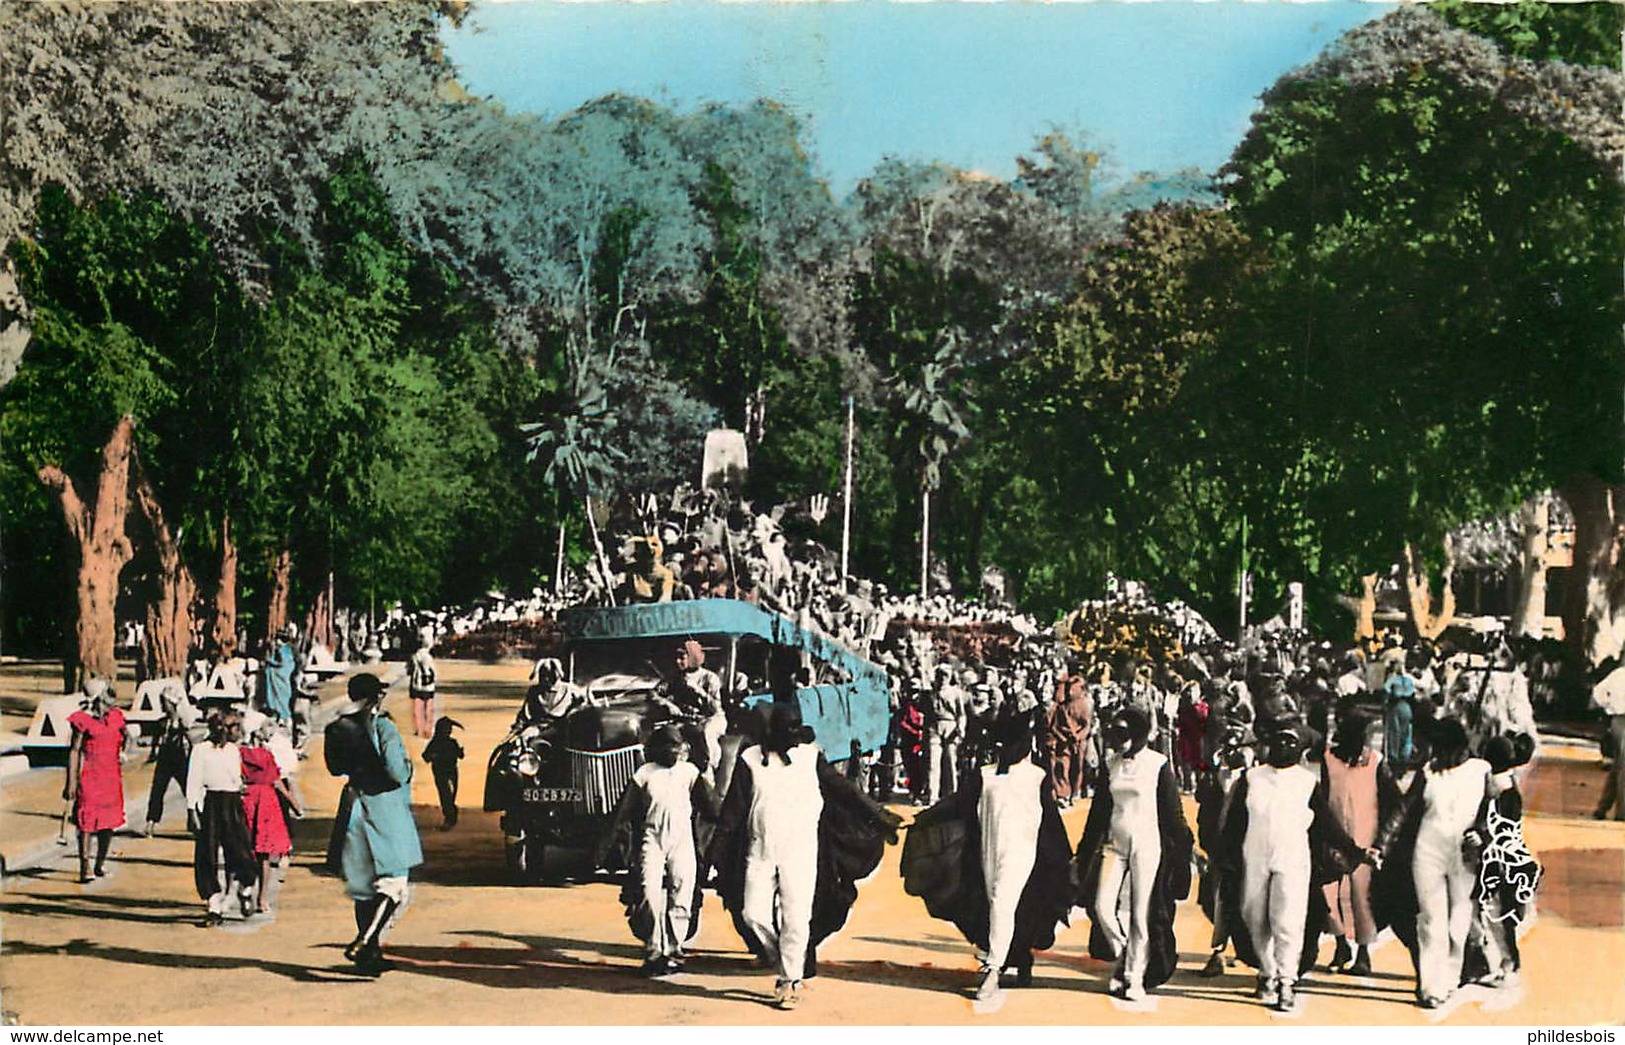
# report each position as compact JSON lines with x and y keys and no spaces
{"x":1160,"y":85}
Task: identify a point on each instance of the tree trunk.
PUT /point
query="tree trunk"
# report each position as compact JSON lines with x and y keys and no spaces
{"x":925,"y":541}
{"x":317,"y":626}
{"x":224,"y":630}
{"x":1365,"y":609}
{"x":104,"y":549}
{"x":1594,"y":602}
{"x":558,"y":565}
{"x":168,"y":641}
{"x":276,"y":613}
{"x":598,"y":550}
{"x":325,"y":629}
{"x":1429,"y":625}
{"x":1529,"y":604}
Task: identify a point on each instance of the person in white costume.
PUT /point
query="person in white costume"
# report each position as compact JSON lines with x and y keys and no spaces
{"x":993,"y":859}
{"x":1009,"y":811}
{"x":657,"y":813}
{"x":1276,"y":824}
{"x":781,"y":858}
{"x":1445,"y":802}
{"x":1134,"y":860}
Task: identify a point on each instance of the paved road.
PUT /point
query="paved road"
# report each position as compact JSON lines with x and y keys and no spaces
{"x":475,"y":950}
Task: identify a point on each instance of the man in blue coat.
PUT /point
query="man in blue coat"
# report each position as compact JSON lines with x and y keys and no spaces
{"x":381,"y":840}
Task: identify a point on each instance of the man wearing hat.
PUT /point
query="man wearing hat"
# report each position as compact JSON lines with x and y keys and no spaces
{"x":380,"y":840}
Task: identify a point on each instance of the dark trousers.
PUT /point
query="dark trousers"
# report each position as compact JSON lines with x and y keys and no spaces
{"x":170,"y":767}
{"x":445,"y":782}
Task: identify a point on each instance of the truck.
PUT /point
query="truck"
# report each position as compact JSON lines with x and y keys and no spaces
{"x":556,"y":779}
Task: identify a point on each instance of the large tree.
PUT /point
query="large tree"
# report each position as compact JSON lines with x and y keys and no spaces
{"x":1444,"y":252}
{"x":230,"y":121}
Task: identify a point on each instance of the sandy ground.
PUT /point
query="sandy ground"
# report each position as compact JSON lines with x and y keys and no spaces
{"x":473,"y":949}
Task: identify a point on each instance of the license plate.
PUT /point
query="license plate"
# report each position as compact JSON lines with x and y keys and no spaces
{"x":550,"y":794}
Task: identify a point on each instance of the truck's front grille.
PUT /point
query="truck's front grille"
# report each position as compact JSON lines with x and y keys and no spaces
{"x":602,"y":775}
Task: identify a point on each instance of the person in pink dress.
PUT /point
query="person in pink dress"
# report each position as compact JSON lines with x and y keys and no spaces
{"x":1359,"y":791}
{"x":96,"y":775}
{"x":264,"y":791}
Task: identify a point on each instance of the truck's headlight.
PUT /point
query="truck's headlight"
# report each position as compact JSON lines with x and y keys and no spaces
{"x":528,"y":764}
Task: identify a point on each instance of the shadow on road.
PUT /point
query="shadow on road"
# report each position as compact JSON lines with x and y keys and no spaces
{"x":169,"y":960}
{"x":498,"y":690}
{"x":113,"y":908}
{"x":934,"y":942}
{"x":544,"y":961}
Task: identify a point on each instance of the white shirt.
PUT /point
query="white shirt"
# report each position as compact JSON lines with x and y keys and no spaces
{"x":213,"y":768}
{"x":1278,"y":818}
{"x":785,"y":802}
{"x":1450,"y":802}
{"x":1009,"y":811}
{"x":669,"y":820}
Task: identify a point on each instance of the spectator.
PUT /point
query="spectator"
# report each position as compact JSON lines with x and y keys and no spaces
{"x":95,"y":781}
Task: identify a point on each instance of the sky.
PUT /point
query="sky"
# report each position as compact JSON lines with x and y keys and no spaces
{"x":1161,"y":86}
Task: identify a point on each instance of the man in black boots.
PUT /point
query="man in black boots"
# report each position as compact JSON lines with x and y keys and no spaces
{"x":380,"y":839}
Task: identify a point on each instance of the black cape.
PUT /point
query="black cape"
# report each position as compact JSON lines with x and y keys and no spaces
{"x":1171,"y":885}
{"x":1332,"y":854}
{"x":942,"y":864}
{"x":1212,"y":801}
{"x":853,"y":832}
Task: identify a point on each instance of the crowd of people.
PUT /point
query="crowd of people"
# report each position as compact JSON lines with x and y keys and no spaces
{"x":1338,"y":792}
{"x":235,"y":769}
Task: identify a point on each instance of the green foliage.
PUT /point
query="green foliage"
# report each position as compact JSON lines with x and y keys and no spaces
{"x":1581,"y":33}
{"x":368,"y":441}
{"x":354,"y":314}
{"x":1410,"y":359}
{"x":1097,"y":451}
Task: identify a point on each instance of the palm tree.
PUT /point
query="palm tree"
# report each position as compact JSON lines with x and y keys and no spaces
{"x":931,"y":405}
{"x":580,"y":456}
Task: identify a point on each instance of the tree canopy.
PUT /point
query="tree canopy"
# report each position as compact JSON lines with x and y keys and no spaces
{"x":346,"y":302}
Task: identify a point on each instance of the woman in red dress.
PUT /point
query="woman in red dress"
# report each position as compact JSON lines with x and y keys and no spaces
{"x":95,"y":775}
{"x":264,"y":791}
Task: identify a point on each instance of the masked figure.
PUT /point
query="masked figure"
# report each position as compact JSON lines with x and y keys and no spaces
{"x":794,"y":839}
{"x":1134,"y":860}
{"x":993,"y":858}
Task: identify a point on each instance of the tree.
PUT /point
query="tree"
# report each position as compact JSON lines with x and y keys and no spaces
{"x":1425,"y":310}
{"x":1104,"y":447}
{"x":579,"y":454}
{"x":931,"y":406}
{"x":231,"y":122}
{"x":167,"y":642}
{"x":97,"y":526}
{"x":1582,"y":34}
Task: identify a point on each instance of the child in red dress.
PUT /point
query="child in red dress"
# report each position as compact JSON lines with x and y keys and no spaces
{"x":263,"y":783}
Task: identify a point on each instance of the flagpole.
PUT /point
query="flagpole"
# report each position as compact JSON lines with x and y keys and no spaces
{"x":846,"y":497}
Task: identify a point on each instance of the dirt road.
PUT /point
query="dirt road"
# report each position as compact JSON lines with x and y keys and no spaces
{"x":473,"y":949}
